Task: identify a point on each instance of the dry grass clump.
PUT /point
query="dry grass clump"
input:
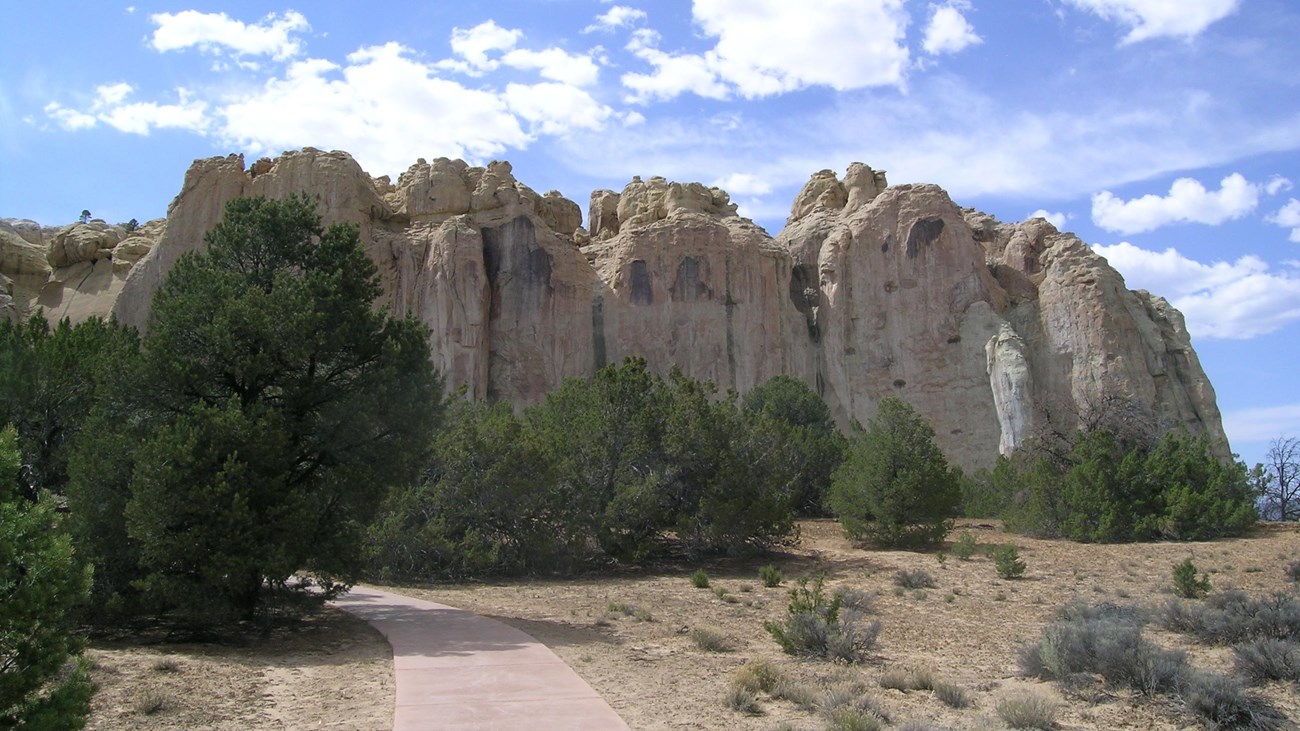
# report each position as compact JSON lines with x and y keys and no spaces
{"x":758,"y":675}
{"x":952,"y":695}
{"x":744,"y":701}
{"x":914,"y":579}
{"x":1027,"y":710}
{"x":711,"y":640}
{"x":151,"y":701}
{"x":907,"y":679}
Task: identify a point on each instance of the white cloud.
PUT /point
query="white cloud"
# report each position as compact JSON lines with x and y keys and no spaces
{"x":1261,"y":424}
{"x":1288,"y":216}
{"x":1228,"y":300}
{"x":555,"y":64}
{"x":69,"y":119}
{"x":1188,"y":201}
{"x":767,"y":47}
{"x":1277,"y":184}
{"x":473,"y":45}
{"x":949,"y":31}
{"x":382,"y":106}
{"x":108,"y":95}
{"x":1056,"y":219}
{"x":1148,"y":19}
{"x":554,"y":109}
{"x":142,"y":117}
{"x":273,"y":36}
{"x":738,"y":184}
{"x":616,"y":17}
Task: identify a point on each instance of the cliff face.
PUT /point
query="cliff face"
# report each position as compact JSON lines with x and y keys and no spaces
{"x":993,"y":331}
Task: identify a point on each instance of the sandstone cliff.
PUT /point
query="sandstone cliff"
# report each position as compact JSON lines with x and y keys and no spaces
{"x":993,"y":331}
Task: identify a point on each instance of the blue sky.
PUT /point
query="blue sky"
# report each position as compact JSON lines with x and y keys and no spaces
{"x":1164,"y":132}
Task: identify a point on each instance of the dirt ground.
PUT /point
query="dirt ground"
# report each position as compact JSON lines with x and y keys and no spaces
{"x":331,"y":671}
{"x":966,"y":631}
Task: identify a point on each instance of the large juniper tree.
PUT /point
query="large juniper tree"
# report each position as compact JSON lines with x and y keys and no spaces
{"x":274,"y":407}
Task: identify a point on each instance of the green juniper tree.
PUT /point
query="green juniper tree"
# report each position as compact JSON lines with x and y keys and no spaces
{"x":43,"y":682}
{"x":895,"y":487}
{"x":273,"y":408}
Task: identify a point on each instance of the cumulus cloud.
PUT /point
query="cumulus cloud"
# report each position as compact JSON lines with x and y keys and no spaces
{"x":1261,"y":424}
{"x":1188,"y":202}
{"x":767,"y":47}
{"x":1147,"y":19}
{"x":949,"y":31}
{"x":554,"y":109}
{"x":110,"y":107}
{"x":1288,"y":217}
{"x":616,"y":17}
{"x":744,"y":184}
{"x":1056,"y":219}
{"x":214,"y":32}
{"x":487,"y":46}
{"x":1229,"y":300}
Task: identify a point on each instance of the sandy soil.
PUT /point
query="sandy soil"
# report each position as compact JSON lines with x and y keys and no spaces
{"x":331,"y":671}
{"x":966,"y":630}
{"x":334,"y":672}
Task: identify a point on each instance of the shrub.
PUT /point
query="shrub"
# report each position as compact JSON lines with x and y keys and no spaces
{"x":711,"y":640}
{"x":1186,"y":582}
{"x":910,"y":679}
{"x":852,"y":696}
{"x":895,"y":487}
{"x":1027,"y":710}
{"x":700,"y":579}
{"x":821,"y":627}
{"x":802,"y":695}
{"x":1224,"y":703}
{"x":914,"y":579}
{"x":1006,"y":559}
{"x":1293,"y":571}
{"x":739,"y":699}
{"x":758,"y":675}
{"x":151,"y":701}
{"x":856,"y":599}
{"x":952,"y":695}
{"x":1231,"y":616}
{"x":965,"y":546}
{"x":1267,"y":659}
{"x":1111,"y":647}
{"x":770,"y":575}
{"x":853,"y":719}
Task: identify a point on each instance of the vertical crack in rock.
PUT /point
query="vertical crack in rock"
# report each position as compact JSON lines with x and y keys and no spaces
{"x":598,"y":358}
{"x":642,"y":292}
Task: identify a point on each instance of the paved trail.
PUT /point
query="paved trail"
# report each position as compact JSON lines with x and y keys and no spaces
{"x":455,"y":670}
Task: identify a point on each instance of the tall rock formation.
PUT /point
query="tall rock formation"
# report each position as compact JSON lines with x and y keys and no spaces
{"x":993,"y":331}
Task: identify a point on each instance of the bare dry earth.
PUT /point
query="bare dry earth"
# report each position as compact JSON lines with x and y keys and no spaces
{"x":336,"y":674}
{"x":332,"y":671}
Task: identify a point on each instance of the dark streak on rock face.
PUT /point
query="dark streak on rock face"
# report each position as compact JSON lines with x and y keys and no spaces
{"x":511,"y":251}
{"x":642,"y":292}
{"x":687,"y":286}
{"x":923,"y":233}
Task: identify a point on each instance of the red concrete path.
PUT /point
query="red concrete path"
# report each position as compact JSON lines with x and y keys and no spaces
{"x":456,"y":670}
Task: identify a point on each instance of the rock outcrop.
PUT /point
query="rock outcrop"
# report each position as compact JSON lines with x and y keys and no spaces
{"x":993,"y":331}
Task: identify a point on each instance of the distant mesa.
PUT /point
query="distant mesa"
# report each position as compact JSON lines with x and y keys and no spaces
{"x":993,"y":331}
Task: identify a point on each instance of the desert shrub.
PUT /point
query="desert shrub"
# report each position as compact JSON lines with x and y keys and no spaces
{"x":1187,"y":584}
{"x":822,"y":627}
{"x":711,"y":640}
{"x":852,"y":719}
{"x":965,"y":546}
{"x":852,"y":696}
{"x":1075,"y":611}
{"x":700,"y":579}
{"x":770,"y":575}
{"x":1112,"y":648}
{"x":758,"y":675}
{"x":920,"y":726}
{"x":1230,"y":617}
{"x":802,"y":695}
{"x":151,"y":701}
{"x":1223,"y":702}
{"x":1007,"y":562}
{"x":951,"y":695}
{"x":895,"y":487}
{"x":1027,"y":710}
{"x":1293,"y":571}
{"x":856,"y":599}
{"x":739,"y":699}
{"x":914,"y":579}
{"x":1267,"y":659}
{"x":908,"y":679}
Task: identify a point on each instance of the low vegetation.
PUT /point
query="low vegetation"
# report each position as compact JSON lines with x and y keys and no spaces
{"x":823,"y":627}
